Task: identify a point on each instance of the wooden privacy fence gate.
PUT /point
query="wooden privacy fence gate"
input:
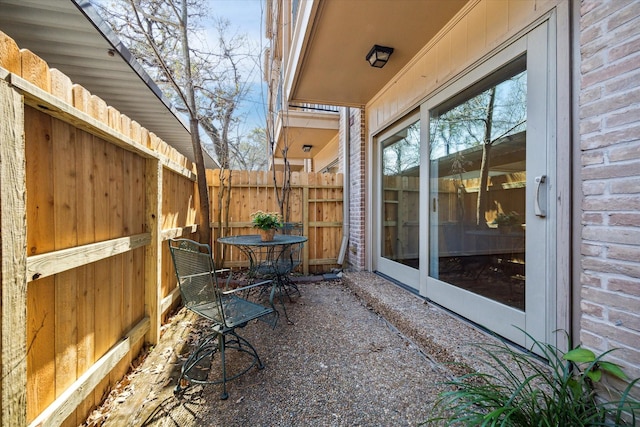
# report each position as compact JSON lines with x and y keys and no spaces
{"x":315,"y":201}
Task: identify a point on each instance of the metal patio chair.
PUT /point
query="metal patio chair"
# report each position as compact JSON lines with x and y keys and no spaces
{"x":290,"y":258}
{"x":227,"y":311}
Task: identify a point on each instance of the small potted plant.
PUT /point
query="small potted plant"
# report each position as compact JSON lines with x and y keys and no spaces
{"x":507,"y":221}
{"x":266,"y":223}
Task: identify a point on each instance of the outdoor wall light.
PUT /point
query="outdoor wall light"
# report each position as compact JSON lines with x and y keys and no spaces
{"x":379,"y":55}
{"x":306,"y":148}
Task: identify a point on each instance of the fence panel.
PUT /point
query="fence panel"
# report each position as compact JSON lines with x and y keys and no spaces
{"x":315,"y":199}
{"x":88,"y":240}
{"x":81,"y":190}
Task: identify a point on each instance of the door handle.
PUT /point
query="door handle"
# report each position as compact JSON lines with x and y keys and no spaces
{"x":541,"y":212}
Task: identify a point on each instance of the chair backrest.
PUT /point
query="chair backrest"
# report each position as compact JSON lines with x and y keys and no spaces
{"x":292,"y":228}
{"x":292,"y":257}
{"x":196,"y":278}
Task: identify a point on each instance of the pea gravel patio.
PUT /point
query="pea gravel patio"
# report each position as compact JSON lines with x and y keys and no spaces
{"x":362,"y":351}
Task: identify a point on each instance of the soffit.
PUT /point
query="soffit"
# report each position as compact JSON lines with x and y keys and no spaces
{"x":300,"y":128}
{"x":333,"y":69}
{"x":70,"y":36}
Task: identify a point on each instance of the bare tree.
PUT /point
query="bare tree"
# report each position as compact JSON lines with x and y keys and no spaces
{"x":205,"y":85}
{"x":249,"y":153}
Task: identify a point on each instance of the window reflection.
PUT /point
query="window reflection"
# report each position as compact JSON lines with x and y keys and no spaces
{"x":400,"y":196}
{"x":477,"y":152}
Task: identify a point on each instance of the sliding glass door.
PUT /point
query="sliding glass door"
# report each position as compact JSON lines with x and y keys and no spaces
{"x":462,"y":204}
{"x":489,"y":156}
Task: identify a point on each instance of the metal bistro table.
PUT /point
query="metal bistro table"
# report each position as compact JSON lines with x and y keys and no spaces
{"x":273,"y":259}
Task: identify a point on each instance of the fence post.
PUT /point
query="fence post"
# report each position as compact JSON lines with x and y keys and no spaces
{"x":13,"y":249}
{"x":153,"y":251}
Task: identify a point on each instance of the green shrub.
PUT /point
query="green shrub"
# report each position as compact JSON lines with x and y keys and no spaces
{"x":523,"y":391}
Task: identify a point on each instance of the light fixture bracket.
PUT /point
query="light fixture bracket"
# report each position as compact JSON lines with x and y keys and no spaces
{"x":306,"y":148}
{"x":379,"y":55}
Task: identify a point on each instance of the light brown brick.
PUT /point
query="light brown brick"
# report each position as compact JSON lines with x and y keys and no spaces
{"x":590,"y":280}
{"x":624,"y":252}
{"x":628,"y":81}
{"x":611,"y":103}
{"x":592,"y":250}
{"x":631,"y":47}
{"x":629,"y":320}
{"x":624,"y":235}
{"x":592,"y":310}
{"x":610,"y":331}
{"x":625,"y":219}
{"x":625,"y":152}
{"x":592,"y":218}
{"x":591,"y":63}
{"x":610,"y":138}
{"x":626,"y":186}
{"x":631,"y":355}
{"x":593,"y":187}
{"x":621,"y":118}
{"x":621,"y":203}
{"x":592,"y":158}
{"x":592,"y":341}
{"x":611,"y":171}
{"x":623,"y":15}
{"x":626,"y":286}
{"x":604,"y":74}
{"x":589,"y":34}
{"x":607,"y":266}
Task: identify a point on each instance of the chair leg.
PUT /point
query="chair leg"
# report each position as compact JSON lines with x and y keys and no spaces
{"x":277,"y":288}
{"x":228,"y":340}
{"x":206,"y":348}
{"x":221,"y":347}
{"x":242,"y":341}
{"x":289,"y":284}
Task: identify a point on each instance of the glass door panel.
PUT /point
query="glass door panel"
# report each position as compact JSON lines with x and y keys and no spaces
{"x":398,"y":206}
{"x":478,"y":188}
{"x":400,"y":196}
{"x":491,"y":170}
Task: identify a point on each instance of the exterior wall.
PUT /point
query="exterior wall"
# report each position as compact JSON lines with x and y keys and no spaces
{"x":609,"y":40}
{"x":357,"y":201}
{"x":609,"y":119}
{"x":480,"y":27}
{"x":326,"y":156}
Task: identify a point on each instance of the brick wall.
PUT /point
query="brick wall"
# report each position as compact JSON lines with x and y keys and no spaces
{"x":609,"y":117}
{"x":356,"y":249}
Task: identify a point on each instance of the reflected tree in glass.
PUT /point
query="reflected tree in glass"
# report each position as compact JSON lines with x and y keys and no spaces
{"x":481,"y":120}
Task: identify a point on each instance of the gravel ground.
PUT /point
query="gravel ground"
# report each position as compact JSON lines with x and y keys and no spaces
{"x":340,"y":364}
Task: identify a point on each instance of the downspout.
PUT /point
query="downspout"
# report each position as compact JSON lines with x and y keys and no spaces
{"x":346,"y":199}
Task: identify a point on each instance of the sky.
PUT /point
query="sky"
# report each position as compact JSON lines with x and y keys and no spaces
{"x":246,"y":16}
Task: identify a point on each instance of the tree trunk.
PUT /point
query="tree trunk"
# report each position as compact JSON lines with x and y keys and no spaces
{"x":203,"y":189}
{"x":481,"y":206}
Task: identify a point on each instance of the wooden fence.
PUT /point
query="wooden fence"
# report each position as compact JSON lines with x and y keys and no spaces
{"x":315,"y":200}
{"x":88,"y":198}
